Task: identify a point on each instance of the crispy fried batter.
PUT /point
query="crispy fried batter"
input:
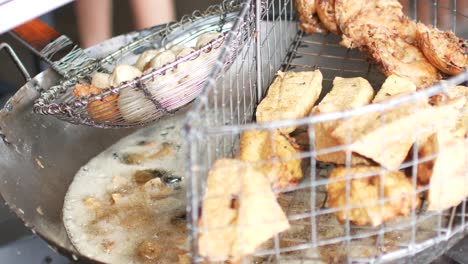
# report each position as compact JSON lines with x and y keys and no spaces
{"x":443,"y":49}
{"x":308,"y":22}
{"x":274,"y":154}
{"x":291,"y":95}
{"x":345,"y":10}
{"x":364,"y":194}
{"x":103,"y":110}
{"x":229,"y":232}
{"x":386,"y":137}
{"x":396,"y":56}
{"x":326,"y":14}
{"x":447,"y":172}
{"x":346,"y":94}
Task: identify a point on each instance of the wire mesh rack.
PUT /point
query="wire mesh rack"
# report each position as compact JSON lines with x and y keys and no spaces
{"x":226,"y":110}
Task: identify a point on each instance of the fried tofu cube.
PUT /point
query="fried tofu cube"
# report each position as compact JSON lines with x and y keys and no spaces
{"x":274,"y":154}
{"x":364,"y":195}
{"x":447,"y":173}
{"x":291,"y":95}
{"x":346,"y":94}
{"x":239,"y":211}
{"x":394,"y":86}
{"x":386,"y":137}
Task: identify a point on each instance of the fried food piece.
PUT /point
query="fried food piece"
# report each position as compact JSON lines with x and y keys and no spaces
{"x":326,"y":14}
{"x":291,"y":95}
{"x":345,"y":10}
{"x":386,"y":137}
{"x":101,"y":80}
{"x":395,"y":56}
{"x":239,"y":211}
{"x":307,"y":21}
{"x":160,"y":60}
{"x":447,"y":172}
{"x":274,"y":154}
{"x":394,"y":86}
{"x":346,"y":94}
{"x":364,"y":194}
{"x":384,"y":14}
{"x":206,"y":38}
{"x":443,"y":49}
{"x":145,"y":58}
{"x":103,"y":110}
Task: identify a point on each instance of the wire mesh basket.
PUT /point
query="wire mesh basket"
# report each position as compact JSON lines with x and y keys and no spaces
{"x":135,"y":97}
{"x":226,"y":111}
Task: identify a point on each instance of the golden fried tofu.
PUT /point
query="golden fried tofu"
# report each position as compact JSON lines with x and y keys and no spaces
{"x":326,"y":13}
{"x":239,"y":211}
{"x":386,"y":137}
{"x":447,"y":172}
{"x":394,"y":86}
{"x":291,"y":95}
{"x":346,"y":94}
{"x":364,"y":195}
{"x":443,"y":49}
{"x":274,"y":154}
{"x":395,"y":56}
{"x":308,"y":22}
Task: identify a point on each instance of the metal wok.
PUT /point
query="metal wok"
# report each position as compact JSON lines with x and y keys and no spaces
{"x":39,"y":156}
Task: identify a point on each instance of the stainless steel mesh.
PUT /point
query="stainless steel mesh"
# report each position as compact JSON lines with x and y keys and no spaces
{"x":226,"y":109}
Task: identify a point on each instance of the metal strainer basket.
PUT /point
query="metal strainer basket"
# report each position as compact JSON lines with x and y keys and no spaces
{"x":226,"y":109}
{"x":156,"y":92}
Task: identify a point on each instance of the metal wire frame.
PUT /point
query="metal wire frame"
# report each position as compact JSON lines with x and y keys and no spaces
{"x":158,"y":99}
{"x":226,"y":108}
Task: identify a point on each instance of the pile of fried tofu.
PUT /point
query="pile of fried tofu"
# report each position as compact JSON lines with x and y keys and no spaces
{"x":373,"y":148}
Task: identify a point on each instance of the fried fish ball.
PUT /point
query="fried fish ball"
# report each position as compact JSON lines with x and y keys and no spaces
{"x":443,"y":49}
{"x":160,"y":60}
{"x":364,"y":194}
{"x":340,"y":99}
{"x":239,"y":211}
{"x":103,"y":110}
{"x":307,"y":21}
{"x":326,"y":13}
{"x":101,"y":80}
{"x":274,"y":154}
{"x":291,"y":95}
{"x":145,"y":58}
{"x":132,"y":103}
{"x":206,"y":38}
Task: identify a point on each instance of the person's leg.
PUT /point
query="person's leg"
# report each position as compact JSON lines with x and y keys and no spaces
{"x":94,"y":21}
{"x":149,"y":13}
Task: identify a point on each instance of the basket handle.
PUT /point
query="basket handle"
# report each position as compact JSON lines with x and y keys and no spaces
{"x":46,"y":42}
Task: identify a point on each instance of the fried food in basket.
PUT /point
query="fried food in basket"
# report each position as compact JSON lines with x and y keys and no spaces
{"x":447,"y":172}
{"x":386,"y":137}
{"x":100,"y":110}
{"x":274,"y":154}
{"x":308,"y":22}
{"x":239,"y":211}
{"x":443,"y":49}
{"x":346,"y":94}
{"x":364,"y":195}
{"x":395,"y":56}
{"x":291,"y":95}
{"x":326,"y":13}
